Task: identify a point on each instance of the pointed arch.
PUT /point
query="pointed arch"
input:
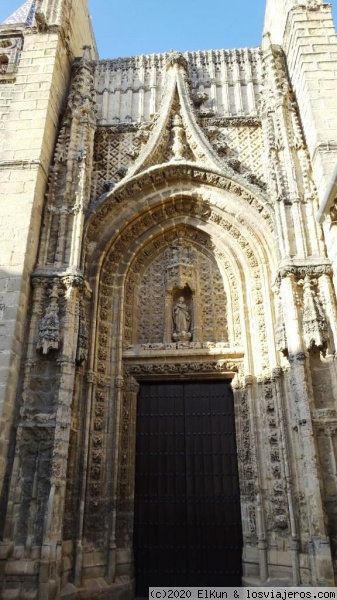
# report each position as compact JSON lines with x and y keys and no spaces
{"x":142,"y":192}
{"x":132,"y":226}
{"x":239,"y":226}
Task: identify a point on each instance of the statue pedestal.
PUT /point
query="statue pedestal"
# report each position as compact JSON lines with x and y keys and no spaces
{"x":184,"y":336}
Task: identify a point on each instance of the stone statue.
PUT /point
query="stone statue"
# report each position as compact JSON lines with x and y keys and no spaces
{"x":181,"y":320}
{"x":178,"y":146}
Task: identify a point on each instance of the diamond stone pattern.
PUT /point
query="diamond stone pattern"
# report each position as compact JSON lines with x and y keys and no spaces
{"x":246,"y":143}
{"x":212,"y":299}
{"x":24,"y":14}
{"x":111,"y":153}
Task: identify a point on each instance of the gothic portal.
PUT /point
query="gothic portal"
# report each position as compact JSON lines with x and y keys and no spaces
{"x":167,"y":290}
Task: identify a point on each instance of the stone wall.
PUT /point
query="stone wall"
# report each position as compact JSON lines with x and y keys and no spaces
{"x":223,"y":83}
{"x":306,"y":33}
{"x":31,"y":102}
{"x":187,"y":179}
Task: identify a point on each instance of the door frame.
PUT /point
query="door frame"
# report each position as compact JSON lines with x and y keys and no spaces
{"x":182,"y":368}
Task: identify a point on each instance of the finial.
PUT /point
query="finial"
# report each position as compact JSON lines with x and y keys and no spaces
{"x":176,"y":58}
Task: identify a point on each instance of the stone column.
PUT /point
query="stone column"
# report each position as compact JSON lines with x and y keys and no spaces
{"x":122,"y":521}
{"x":302,"y":398}
{"x":92,"y":381}
{"x":250,"y":478}
{"x":259,"y":499}
{"x":51,"y":551}
{"x":111,"y":570}
{"x":281,"y":412}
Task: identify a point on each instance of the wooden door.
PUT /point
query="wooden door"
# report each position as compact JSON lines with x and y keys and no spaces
{"x":187,"y":505}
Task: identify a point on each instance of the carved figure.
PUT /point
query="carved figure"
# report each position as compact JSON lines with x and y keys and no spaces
{"x":178,"y":146}
{"x":181,"y":320}
{"x":49,"y":332}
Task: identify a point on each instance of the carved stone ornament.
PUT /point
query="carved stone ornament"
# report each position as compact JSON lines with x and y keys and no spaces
{"x":180,"y":252}
{"x":199,"y":98}
{"x":178,"y":146}
{"x":217,"y":139}
{"x":315,"y":328}
{"x":313,"y":5}
{"x":175,"y":171}
{"x":83,"y":335}
{"x":40,"y":17}
{"x":180,"y":267}
{"x":280,"y":330}
{"x":119,"y":382}
{"x":333,"y":211}
{"x":232,"y":122}
{"x":303,"y":270}
{"x":183,"y":368}
{"x":176,"y":58}
{"x":49,"y":331}
{"x":108,"y":186}
{"x":182,"y":321}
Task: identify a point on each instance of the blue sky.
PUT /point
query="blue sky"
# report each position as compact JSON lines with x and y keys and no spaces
{"x":129,"y":27}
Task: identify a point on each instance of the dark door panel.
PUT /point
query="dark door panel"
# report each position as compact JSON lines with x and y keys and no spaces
{"x":187,"y":506}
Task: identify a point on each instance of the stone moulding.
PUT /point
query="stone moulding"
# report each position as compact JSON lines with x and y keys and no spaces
{"x":119,"y":128}
{"x":192,"y":368}
{"x":195,"y":348}
{"x":158,"y":177}
{"x":232,"y":122}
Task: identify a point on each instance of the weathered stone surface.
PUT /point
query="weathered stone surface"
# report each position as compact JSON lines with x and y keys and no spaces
{"x":178,"y":240}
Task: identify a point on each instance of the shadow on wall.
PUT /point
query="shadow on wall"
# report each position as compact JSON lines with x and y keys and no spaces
{"x":13,"y":327}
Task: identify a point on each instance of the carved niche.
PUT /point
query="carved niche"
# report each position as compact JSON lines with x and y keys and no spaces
{"x":180,"y":297}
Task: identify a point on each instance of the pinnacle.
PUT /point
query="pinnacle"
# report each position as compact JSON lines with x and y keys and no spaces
{"x":24,"y":15}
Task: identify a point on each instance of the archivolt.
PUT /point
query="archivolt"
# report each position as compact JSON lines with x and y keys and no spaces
{"x":143,"y":195}
{"x":241,"y":253}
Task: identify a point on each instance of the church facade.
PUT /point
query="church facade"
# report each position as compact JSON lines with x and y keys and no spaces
{"x":168,"y":309}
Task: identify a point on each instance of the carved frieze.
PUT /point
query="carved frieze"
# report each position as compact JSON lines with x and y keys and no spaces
{"x":301,"y":270}
{"x":219,"y":122}
{"x":183,"y":368}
